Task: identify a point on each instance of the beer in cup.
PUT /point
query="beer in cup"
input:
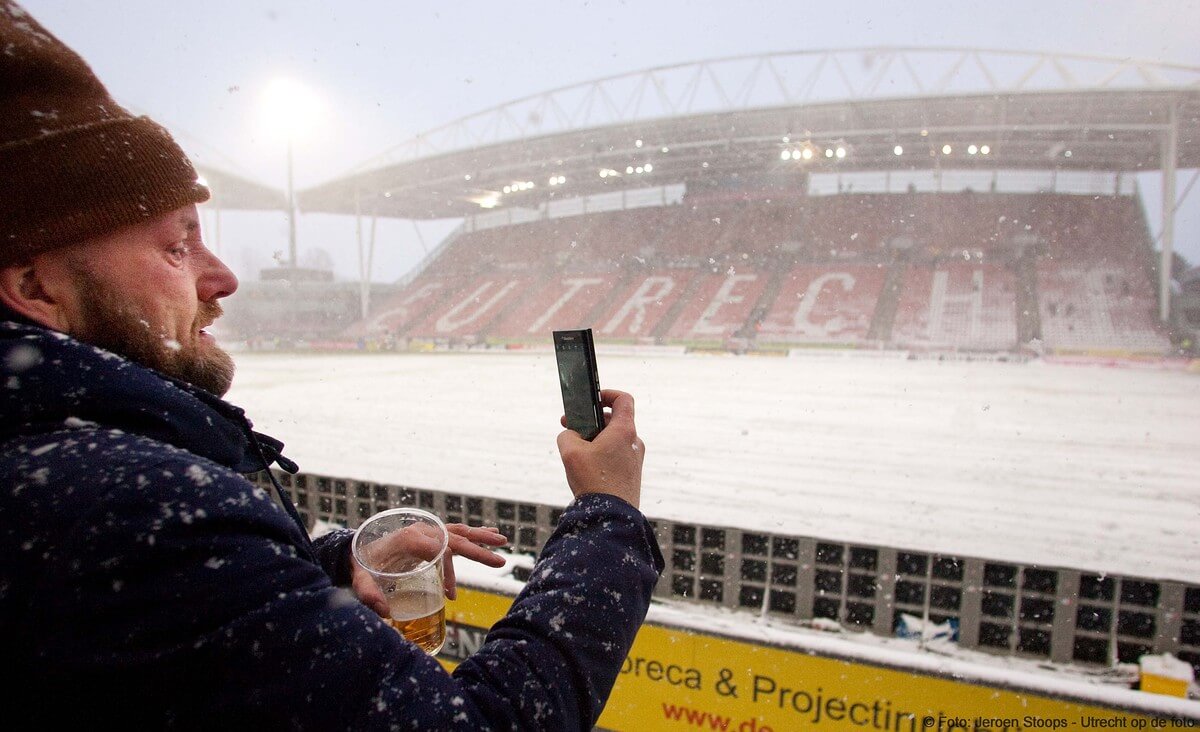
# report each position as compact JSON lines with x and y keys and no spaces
{"x":404,"y":549}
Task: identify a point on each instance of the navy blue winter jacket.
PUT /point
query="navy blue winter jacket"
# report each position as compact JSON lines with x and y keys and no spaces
{"x":145,"y":583}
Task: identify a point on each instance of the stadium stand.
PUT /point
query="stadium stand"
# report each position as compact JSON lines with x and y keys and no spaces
{"x":559,"y":304}
{"x":472,"y":305}
{"x":720,"y":305}
{"x":1098,"y":308}
{"x":824,"y":304}
{"x":957,"y":305}
{"x":1095,"y":289}
{"x":938,"y":271}
{"x":1189,"y":303}
{"x":642,"y":303}
{"x":281,"y":312}
{"x":691,"y":233}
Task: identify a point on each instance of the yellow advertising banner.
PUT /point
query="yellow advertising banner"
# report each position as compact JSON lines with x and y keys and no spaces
{"x":676,"y":678}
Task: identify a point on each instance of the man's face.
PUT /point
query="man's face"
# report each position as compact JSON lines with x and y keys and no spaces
{"x":148,"y":292}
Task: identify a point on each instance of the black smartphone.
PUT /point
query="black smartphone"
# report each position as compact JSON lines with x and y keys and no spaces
{"x":580,"y":382}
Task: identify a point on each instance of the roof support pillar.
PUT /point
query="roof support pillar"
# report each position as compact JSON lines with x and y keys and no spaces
{"x":1170,"y":147}
{"x":215,"y":239}
{"x":366,"y":293}
{"x":291,"y":209}
{"x":421,"y":237}
{"x":364,"y":262}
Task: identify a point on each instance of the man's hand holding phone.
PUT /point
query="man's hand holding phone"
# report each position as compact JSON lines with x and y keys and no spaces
{"x":612,"y":461}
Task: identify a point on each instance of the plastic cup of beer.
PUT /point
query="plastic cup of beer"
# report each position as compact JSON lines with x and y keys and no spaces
{"x":404,"y":550}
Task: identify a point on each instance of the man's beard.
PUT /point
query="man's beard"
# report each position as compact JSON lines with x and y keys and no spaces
{"x":114,"y":325}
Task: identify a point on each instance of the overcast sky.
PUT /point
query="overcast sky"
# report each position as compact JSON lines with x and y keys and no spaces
{"x":384,"y":71}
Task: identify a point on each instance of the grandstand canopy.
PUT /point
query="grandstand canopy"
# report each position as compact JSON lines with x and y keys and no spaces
{"x":745,"y":118}
{"x":231,"y":191}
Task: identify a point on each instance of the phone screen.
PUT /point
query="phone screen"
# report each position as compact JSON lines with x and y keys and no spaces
{"x":574,"y":375}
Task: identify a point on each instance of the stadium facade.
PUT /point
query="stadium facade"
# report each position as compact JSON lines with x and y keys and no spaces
{"x":744,"y":139}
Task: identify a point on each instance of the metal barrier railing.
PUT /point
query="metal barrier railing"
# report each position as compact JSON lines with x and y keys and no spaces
{"x":1055,"y":613}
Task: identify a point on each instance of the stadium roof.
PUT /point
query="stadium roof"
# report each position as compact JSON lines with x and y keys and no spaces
{"x":885,"y":108}
{"x":231,"y":191}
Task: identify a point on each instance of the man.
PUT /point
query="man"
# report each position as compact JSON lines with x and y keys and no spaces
{"x":143,"y":581}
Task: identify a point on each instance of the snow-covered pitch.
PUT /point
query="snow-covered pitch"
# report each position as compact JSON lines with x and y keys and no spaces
{"x":1064,"y":466}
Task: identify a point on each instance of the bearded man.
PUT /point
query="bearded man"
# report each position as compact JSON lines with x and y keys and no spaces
{"x":144,"y":582}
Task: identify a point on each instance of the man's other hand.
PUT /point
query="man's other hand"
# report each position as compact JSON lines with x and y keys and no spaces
{"x":465,"y":541}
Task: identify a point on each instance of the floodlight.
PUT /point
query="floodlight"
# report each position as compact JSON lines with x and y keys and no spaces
{"x":898,"y":150}
{"x":289,"y":108}
{"x":946,"y":149}
{"x":649,"y":168}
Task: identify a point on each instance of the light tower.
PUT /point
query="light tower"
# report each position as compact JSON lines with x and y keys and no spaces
{"x":289,"y":109}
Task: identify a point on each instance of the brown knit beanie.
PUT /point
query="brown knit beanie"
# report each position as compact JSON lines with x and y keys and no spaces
{"x":74,"y":164}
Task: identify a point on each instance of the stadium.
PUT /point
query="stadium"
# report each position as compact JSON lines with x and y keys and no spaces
{"x":882,"y":277}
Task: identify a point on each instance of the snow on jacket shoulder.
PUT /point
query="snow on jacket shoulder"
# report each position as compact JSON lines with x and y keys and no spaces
{"x":144,"y":582}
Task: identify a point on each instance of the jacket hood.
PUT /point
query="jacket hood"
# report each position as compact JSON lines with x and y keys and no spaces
{"x":50,"y":381}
